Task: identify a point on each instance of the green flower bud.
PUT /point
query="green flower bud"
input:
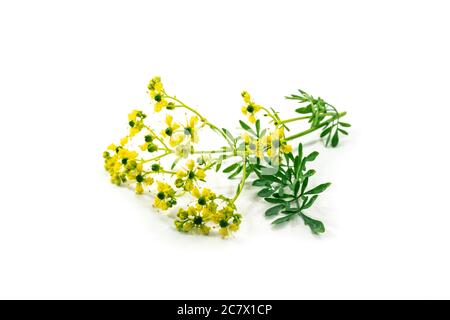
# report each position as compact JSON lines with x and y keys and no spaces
{"x":152,"y":147}
{"x":148,"y":138}
{"x":179,"y":183}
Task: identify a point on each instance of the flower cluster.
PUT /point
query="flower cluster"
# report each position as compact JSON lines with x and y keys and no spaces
{"x":141,"y":167}
{"x":206,"y":214}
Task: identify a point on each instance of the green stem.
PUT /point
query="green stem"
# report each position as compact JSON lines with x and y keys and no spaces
{"x":213,"y":152}
{"x":244,"y":177}
{"x":320,"y":125}
{"x":158,"y":157}
{"x":294,"y":119}
{"x":269,"y":114}
{"x":305,"y":117}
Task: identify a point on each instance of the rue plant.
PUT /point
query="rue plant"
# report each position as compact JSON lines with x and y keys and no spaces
{"x":165,"y":160}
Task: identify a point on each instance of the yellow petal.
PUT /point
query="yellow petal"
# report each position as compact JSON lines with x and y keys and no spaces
{"x":149,"y":181}
{"x":200,"y":174}
{"x":123,"y":141}
{"x":169,"y":119}
{"x":190,"y":164}
{"x":196,"y":193}
{"x":286,"y":148}
{"x":181,"y":174}
{"x":223,"y":232}
{"x":193,"y":121}
{"x":139,"y":188}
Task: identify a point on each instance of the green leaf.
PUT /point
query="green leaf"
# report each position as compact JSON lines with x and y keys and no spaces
{"x":304,"y":185}
{"x":246,"y":127}
{"x":265,"y":192}
{"x":304,"y":110}
{"x":219,"y":164}
{"x":316,"y":226}
{"x":239,"y":169}
{"x":274,"y":210}
{"x":231,"y":168}
{"x":300,"y":151}
{"x":258,"y":127}
{"x":271,"y":178}
{"x":312,"y":156}
{"x":296,"y":187}
{"x":344,"y":124}
{"x":228,"y":133}
{"x":343,"y":131}
{"x":309,"y":173}
{"x":283,"y":219}
{"x":309,"y":203}
{"x":335,"y":139}
{"x":290,"y":211}
{"x":319,"y":189}
{"x":274,"y":200}
{"x":325,"y":132}
{"x":297,"y":169}
{"x":174,"y":163}
{"x":260,"y":182}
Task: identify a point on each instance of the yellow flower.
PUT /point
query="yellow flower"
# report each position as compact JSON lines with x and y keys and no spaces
{"x":165,"y":198}
{"x":174,"y":138}
{"x":250,"y":109}
{"x":157,"y":94}
{"x":187,"y":177}
{"x":191,"y":130}
{"x":228,"y":221}
{"x":141,"y":179}
{"x":192,"y":219}
{"x":133,"y":115}
{"x":156,"y":85}
{"x":204,"y":196}
{"x":159,"y":105}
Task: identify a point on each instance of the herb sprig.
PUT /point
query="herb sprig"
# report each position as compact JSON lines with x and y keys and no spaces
{"x":289,"y":190}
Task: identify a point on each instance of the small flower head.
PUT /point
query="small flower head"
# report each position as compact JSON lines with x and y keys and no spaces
{"x":250,"y":108}
{"x":187,"y":177}
{"x":157,"y":94}
{"x":142,"y":178}
{"x":228,"y":221}
{"x":175,"y":138}
{"x":204,"y":196}
{"x":191,"y":129}
{"x":192,"y":219}
{"x":165,"y":198}
{"x":136,"y":122}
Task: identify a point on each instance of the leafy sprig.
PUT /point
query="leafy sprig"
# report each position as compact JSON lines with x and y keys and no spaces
{"x":289,"y":190}
{"x":323,"y":115}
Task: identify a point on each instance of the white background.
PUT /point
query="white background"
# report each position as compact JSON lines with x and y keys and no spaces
{"x":70,"y":71}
